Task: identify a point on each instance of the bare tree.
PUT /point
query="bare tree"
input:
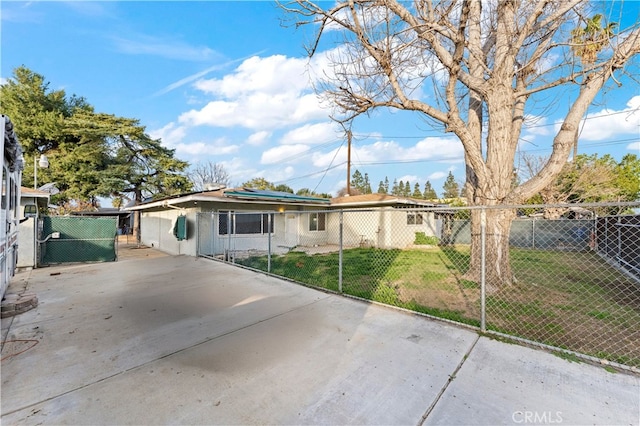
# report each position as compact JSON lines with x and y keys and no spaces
{"x":473,"y":68}
{"x":202,"y":174}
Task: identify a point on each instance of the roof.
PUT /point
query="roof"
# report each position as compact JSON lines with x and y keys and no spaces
{"x":373,"y":200}
{"x":235,"y":195}
{"x":36,"y":193}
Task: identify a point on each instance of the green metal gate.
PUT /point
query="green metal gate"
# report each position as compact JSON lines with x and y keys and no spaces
{"x":78,"y":239}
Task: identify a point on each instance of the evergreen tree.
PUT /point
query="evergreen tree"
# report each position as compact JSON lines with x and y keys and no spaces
{"x":451,"y":187}
{"x":381,"y":189}
{"x":400,"y":191}
{"x":429,"y":193}
{"x":357,"y":182}
{"x":394,"y":188}
{"x":416,"y":191}
{"x":386,"y":185}
{"x":366,"y":189}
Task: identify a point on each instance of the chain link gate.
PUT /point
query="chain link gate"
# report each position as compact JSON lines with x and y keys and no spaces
{"x":573,"y":283}
{"x":78,"y":239}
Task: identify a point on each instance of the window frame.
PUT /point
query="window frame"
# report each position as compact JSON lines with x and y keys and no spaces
{"x":317,"y":222}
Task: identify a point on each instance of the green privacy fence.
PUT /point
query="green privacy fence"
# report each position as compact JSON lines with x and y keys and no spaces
{"x":78,"y":239}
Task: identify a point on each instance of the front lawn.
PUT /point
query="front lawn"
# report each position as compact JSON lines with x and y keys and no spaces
{"x":572,"y":300}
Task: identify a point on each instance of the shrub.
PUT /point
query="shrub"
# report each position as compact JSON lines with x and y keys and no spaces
{"x":423,"y":240}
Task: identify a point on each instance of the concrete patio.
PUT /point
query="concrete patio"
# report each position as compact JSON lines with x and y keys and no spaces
{"x":157,"y":339}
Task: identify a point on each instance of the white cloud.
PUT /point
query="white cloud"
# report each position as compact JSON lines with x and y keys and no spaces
{"x":433,"y":148}
{"x":258,"y":138}
{"x":261,"y":94}
{"x":282,"y":153}
{"x":3,"y":81}
{"x":634,"y":146}
{"x":608,"y":123}
{"x":311,"y":134}
{"x":412,"y":179}
{"x":535,"y":125}
{"x":170,"y":134}
{"x":437,"y":175}
{"x":279,"y":175}
{"x":173,"y":137}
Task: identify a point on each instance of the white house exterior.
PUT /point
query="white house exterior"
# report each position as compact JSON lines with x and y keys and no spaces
{"x":240,"y":220}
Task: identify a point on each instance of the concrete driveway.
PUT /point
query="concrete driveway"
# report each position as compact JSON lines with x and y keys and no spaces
{"x":156,"y":339}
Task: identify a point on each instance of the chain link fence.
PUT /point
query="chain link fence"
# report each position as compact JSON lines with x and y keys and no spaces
{"x":571,"y":283}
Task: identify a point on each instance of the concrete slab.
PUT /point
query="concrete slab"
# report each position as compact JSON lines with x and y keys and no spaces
{"x":156,"y":339}
{"x":502,"y":383}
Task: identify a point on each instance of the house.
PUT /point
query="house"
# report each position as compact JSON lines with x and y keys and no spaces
{"x":243,"y":219}
{"x":32,"y":203}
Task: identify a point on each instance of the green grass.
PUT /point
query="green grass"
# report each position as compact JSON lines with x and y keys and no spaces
{"x":564,"y":299}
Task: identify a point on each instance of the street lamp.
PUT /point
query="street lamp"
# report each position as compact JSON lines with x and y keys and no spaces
{"x":44,"y":163}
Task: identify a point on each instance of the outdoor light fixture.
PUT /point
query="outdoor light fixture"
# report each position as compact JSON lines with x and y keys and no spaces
{"x":44,"y":163}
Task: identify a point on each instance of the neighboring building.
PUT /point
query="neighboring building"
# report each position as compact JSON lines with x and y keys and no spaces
{"x":241,"y":219}
{"x":32,"y":203}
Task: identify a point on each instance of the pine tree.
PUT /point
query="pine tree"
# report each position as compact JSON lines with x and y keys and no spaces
{"x":395,"y":188}
{"x":429,"y":193}
{"x":381,"y":188}
{"x":416,"y":191}
{"x":451,"y":187}
{"x":357,"y":182}
{"x":386,"y":185}
{"x":366,"y":189}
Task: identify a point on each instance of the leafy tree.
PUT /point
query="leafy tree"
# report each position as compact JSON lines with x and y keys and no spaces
{"x":416,"y":191}
{"x":309,"y":193}
{"x":90,"y":154}
{"x":588,"y":178}
{"x":490,"y":65}
{"x":429,"y":193}
{"x":451,"y":188}
{"x":283,"y":188}
{"x":628,"y":178}
{"x":259,"y":183}
{"x":208,"y":172}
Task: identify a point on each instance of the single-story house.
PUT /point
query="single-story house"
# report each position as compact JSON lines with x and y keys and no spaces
{"x":244,"y":219}
{"x":32,"y":203}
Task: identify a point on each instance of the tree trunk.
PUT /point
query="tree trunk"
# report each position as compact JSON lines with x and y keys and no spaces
{"x":497,"y":266}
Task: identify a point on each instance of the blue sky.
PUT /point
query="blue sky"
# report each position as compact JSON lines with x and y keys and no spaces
{"x":225,"y":82}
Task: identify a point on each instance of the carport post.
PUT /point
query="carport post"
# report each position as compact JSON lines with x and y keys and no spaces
{"x":269,"y":242}
{"x":340,"y":255}
{"x":483,"y":238}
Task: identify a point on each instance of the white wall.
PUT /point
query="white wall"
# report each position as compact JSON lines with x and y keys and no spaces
{"x":156,"y":230}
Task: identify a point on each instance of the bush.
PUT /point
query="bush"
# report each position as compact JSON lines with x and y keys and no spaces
{"x":423,"y":240}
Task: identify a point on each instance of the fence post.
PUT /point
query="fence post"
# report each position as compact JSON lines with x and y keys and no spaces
{"x":340,"y":254}
{"x":483,"y":226}
{"x":269,"y":244}
{"x":228,"y":257}
{"x":533,"y":233}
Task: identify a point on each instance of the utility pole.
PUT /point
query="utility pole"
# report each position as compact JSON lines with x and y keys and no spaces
{"x":348,"y":162}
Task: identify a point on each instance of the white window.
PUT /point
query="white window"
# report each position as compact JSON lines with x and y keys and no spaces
{"x":245,"y":223}
{"x":317,"y":221}
{"x":414,"y":219}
